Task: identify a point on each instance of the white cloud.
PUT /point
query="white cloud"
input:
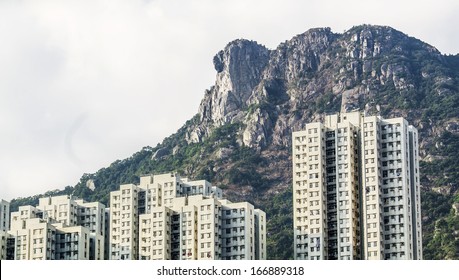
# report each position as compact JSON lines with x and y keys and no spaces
{"x":83,"y":83}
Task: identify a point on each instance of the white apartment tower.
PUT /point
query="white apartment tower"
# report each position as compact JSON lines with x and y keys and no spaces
{"x":391,"y":200}
{"x":203,"y":228}
{"x":243,"y":232}
{"x":131,"y":201}
{"x":73,"y":243}
{"x":356,"y":190}
{"x":168,"y":217}
{"x":34,"y":237}
{"x":59,"y":228}
{"x":156,"y":234}
{"x":124,"y":219}
{"x":71,"y":212}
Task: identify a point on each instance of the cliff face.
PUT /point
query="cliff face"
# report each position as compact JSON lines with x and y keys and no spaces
{"x":239,"y":67}
{"x":249,"y":75}
{"x":374,"y":68}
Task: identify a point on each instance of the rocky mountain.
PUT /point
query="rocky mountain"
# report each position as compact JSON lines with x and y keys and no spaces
{"x":240,"y":138}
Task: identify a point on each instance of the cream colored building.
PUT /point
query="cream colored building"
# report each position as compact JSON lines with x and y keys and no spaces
{"x":72,"y":212}
{"x":124,"y":221}
{"x":4,"y":215}
{"x":156,"y":234}
{"x":59,"y":228}
{"x":243,"y":232}
{"x":131,"y":200}
{"x":72,"y":243}
{"x":60,"y":209}
{"x":391,"y":198}
{"x":91,"y":215}
{"x":353,"y":198}
{"x":34,"y":237}
{"x":177,"y":218}
{"x":203,"y":228}
{"x":260,"y":235}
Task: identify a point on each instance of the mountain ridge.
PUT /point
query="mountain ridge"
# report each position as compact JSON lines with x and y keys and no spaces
{"x":240,"y":137}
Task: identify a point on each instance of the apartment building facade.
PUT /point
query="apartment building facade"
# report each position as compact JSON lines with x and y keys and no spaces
{"x":73,"y":243}
{"x":356,"y":190}
{"x":58,"y":228}
{"x":203,"y":228}
{"x":169,"y":217}
{"x":4,"y":227}
{"x":124,"y":219}
{"x":34,"y":238}
{"x":6,"y":246}
{"x":74,"y":212}
{"x":243,"y":232}
{"x":4,"y":215}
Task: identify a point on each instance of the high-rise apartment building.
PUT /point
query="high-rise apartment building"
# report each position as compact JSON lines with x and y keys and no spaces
{"x":74,"y":243}
{"x":356,"y":189}
{"x":4,"y":215}
{"x":169,"y":217}
{"x":131,"y":200}
{"x":206,"y":228}
{"x":107,"y":234}
{"x":91,"y":215}
{"x":58,"y":228}
{"x":73,"y":212}
{"x":4,"y":227}
{"x":34,"y":237}
{"x":243,"y":231}
{"x":164,"y":217}
{"x":6,"y":247}
{"x":124,"y":219}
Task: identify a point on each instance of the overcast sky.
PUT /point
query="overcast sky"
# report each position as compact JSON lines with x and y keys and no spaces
{"x":84,"y":83}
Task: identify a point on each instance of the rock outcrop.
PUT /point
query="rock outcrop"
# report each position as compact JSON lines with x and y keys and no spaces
{"x":272,"y":92}
{"x":239,"y":67}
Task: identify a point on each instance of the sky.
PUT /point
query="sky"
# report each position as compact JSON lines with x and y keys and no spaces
{"x":84,"y":83}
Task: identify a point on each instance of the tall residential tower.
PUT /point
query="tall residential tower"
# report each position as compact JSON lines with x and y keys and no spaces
{"x":59,"y":228}
{"x":356,"y":190}
{"x":168,"y":217}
